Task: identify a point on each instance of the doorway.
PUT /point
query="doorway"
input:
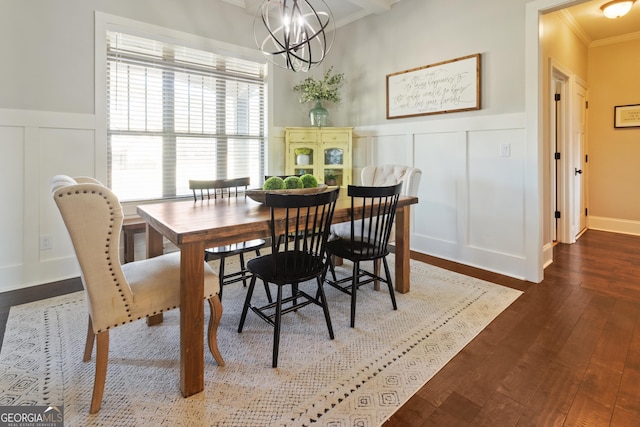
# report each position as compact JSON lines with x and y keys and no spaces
{"x":567,"y":148}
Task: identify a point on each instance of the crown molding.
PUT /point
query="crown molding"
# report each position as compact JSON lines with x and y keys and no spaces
{"x":573,"y":25}
{"x":617,"y":39}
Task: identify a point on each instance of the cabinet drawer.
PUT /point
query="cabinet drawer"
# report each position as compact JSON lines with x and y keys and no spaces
{"x":303,"y":136}
{"x":335,"y":137}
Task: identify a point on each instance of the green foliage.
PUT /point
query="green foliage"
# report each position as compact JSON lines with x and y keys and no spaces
{"x":309,"y":181}
{"x":292,"y":182}
{"x":299,"y":151}
{"x":273,"y":183}
{"x":311,"y":89}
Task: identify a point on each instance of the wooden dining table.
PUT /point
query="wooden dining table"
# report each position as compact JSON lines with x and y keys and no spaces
{"x":194,"y":226}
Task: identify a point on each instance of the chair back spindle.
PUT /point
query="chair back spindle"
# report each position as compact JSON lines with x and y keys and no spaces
{"x":300,"y":225}
{"x":370,"y":236}
{"x":373,"y":211}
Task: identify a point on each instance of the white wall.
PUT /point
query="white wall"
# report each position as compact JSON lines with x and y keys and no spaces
{"x":48,"y":122}
{"x":472,"y":200}
{"x":34,"y":146}
{"x":475,"y":206}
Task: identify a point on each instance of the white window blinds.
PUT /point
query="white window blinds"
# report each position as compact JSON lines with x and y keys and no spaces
{"x":176,"y":113}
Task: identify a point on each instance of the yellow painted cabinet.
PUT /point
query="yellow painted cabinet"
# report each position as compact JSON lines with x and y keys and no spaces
{"x":324,"y":152}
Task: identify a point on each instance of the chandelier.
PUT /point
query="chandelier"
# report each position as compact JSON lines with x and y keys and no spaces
{"x":294,"y":34}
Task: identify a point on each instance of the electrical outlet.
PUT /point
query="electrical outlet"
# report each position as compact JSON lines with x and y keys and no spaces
{"x":46,"y":242}
{"x":505,"y":150}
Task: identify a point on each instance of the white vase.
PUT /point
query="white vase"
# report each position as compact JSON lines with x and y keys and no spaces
{"x":302,"y":159}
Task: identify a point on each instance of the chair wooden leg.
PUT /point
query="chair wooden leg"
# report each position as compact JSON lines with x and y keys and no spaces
{"x":330,"y":264}
{"x":214,"y":320}
{"x":376,"y":271}
{"x":268,"y":291}
{"x":247,"y":303}
{"x":390,"y":284}
{"x":320,"y":295}
{"x":294,"y":293}
{"x":221,"y":276}
{"x":156,"y":319}
{"x":88,"y":346}
{"x":102,"y":359}
{"x":276,"y":329}
{"x":354,"y":291}
{"x":243,"y":270}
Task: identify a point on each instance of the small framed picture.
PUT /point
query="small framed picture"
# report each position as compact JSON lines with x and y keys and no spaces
{"x":626,"y":116}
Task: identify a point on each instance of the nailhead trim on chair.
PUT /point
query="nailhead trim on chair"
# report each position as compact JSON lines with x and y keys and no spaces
{"x":110,"y":264}
{"x":108,"y":258}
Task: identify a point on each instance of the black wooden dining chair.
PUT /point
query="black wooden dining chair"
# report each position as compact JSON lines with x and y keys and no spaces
{"x":295,"y":259}
{"x":373,"y":212}
{"x":221,"y":188}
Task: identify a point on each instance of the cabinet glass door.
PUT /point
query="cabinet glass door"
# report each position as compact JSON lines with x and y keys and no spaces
{"x":303,"y":160}
{"x":334,"y":166}
{"x":333,"y":156}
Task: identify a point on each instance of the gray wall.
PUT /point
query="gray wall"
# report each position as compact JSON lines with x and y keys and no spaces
{"x":475,"y":206}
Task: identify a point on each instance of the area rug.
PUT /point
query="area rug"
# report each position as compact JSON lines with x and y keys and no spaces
{"x":358,"y":379}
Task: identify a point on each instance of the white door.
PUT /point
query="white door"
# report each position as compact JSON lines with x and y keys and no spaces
{"x":560,"y":155}
{"x":579,"y":161}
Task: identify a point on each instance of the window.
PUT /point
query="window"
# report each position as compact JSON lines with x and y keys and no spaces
{"x":176,"y":113}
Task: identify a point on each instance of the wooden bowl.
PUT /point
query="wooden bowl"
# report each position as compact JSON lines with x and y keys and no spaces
{"x":259,"y":195}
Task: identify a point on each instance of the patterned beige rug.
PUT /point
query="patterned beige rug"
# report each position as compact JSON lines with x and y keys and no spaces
{"x":358,"y":379}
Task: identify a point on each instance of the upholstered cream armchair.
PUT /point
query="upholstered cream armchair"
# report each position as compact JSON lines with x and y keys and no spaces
{"x":118,"y":294}
{"x":378,"y":176}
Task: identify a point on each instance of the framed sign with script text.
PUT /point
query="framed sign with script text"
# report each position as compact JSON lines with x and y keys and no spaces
{"x":445,"y":87}
{"x":626,"y":116}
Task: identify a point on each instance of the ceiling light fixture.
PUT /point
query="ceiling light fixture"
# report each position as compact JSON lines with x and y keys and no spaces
{"x":617,"y":8}
{"x":294,"y":34}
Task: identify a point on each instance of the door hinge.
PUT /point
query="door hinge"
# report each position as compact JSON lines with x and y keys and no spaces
{"x":556,"y":97}
{"x":586,"y":211}
{"x":556,"y":156}
{"x":586,"y":158}
{"x":586,"y":105}
{"x":556,"y":214}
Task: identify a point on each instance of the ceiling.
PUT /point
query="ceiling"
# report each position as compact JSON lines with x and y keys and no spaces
{"x":595,"y":27}
{"x":344,"y":11}
{"x":586,"y":18}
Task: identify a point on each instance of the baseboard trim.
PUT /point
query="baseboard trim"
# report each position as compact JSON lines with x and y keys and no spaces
{"x":614,"y":225}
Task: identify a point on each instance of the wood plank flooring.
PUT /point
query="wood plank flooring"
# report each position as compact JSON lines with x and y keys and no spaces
{"x":566,"y":353}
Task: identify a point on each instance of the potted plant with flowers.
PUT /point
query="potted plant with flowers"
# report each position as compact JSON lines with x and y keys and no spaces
{"x":326,"y":89}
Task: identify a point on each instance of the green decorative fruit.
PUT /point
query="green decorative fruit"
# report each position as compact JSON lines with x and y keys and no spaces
{"x":292,"y":182}
{"x":309,"y":181}
{"x":273,"y":183}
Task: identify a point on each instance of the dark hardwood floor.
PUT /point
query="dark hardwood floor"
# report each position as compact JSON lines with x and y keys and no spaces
{"x":566,"y":353}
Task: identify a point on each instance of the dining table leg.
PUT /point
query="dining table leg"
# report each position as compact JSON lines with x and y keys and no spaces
{"x":191,"y":318}
{"x":403,"y":249}
{"x":155,"y":248}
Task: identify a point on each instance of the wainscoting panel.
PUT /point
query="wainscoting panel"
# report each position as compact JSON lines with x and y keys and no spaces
{"x":472,"y":195}
{"x":392,"y":149}
{"x":35,"y":146}
{"x":442,"y":159}
{"x":62,"y":151}
{"x":11,"y":176}
{"x":496,"y":191}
